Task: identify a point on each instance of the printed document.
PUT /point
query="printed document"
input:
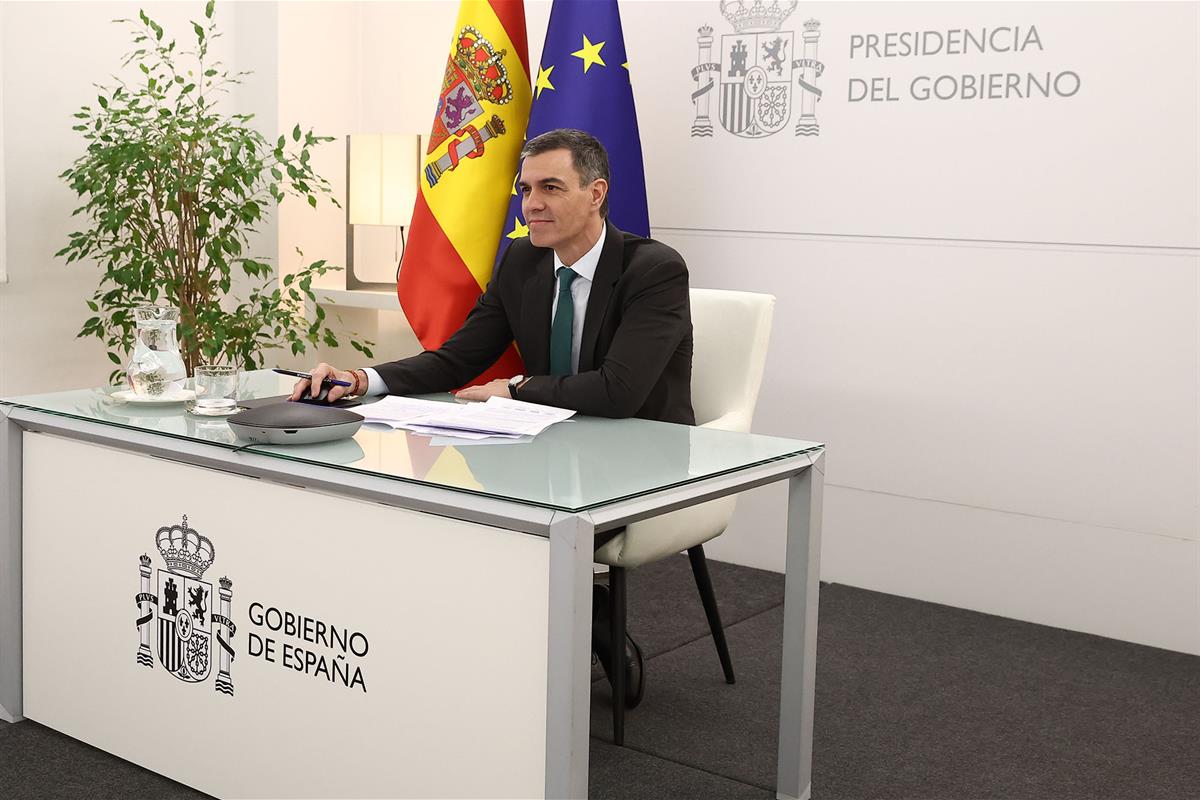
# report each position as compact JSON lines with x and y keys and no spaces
{"x":400,"y":411}
{"x":498,"y":415}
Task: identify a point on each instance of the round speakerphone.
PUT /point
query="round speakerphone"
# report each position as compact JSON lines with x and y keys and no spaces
{"x":295,"y":423}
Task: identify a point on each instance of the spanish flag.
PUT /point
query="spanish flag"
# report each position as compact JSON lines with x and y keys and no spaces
{"x":467,"y":179}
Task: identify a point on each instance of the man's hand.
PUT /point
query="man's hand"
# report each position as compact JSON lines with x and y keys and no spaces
{"x":320,"y":373}
{"x":496,"y":388}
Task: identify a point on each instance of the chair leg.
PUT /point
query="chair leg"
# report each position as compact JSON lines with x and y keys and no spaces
{"x":616,"y":599}
{"x":704,"y":584}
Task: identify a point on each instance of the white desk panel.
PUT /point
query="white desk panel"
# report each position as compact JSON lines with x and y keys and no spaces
{"x":441,"y":682}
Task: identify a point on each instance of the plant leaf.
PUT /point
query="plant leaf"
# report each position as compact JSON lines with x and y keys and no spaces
{"x":171,"y":189}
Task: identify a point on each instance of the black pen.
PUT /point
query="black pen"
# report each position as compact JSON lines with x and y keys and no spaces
{"x":294,"y":374}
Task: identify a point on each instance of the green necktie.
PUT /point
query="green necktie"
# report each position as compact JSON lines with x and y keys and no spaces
{"x":564,"y":319}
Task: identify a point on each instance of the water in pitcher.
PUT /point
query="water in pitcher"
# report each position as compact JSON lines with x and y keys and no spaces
{"x":156,"y":366}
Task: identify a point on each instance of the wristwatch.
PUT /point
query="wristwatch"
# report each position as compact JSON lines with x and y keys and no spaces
{"x":513,"y":383}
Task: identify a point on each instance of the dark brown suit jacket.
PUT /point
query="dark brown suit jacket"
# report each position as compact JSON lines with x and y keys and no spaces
{"x":635,"y":359}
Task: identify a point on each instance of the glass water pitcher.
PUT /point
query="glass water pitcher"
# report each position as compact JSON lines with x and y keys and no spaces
{"x":156,"y":367}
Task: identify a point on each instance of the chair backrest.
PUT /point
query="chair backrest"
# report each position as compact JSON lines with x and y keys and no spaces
{"x":731,"y":331}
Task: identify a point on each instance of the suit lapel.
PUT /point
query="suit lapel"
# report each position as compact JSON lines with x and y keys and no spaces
{"x":539,"y":294}
{"x":608,"y":272}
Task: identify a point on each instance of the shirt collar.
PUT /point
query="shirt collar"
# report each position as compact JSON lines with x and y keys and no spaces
{"x":585,"y":267}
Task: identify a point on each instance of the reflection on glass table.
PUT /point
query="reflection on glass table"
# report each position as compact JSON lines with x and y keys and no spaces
{"x":577,"y":464}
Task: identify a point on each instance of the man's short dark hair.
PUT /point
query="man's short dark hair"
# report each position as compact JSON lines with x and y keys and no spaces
{"x":587,"y":154}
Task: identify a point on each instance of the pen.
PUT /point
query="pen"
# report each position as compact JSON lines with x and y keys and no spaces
{"x":295,"y":374}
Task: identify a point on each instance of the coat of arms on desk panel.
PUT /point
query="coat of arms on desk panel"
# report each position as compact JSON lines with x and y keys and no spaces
{"x":184,"y":628}
{"x":190,"y":618}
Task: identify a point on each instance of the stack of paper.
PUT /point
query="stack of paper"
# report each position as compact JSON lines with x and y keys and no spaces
{"x":498,"y":418}
{"x":399,"y":411}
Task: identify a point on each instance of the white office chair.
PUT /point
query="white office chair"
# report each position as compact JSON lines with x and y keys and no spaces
{"x":731,"y":331}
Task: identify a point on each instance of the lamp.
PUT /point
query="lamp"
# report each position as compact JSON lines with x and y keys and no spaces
{"x":383,"y":170}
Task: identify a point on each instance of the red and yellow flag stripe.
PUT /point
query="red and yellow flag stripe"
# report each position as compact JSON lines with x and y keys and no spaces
{"x":466,"y":184}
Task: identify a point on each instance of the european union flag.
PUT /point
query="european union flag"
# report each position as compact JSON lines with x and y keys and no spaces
{"x":583,"y":82}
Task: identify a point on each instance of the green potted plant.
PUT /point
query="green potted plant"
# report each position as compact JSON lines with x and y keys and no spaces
{"x":172,"y":190}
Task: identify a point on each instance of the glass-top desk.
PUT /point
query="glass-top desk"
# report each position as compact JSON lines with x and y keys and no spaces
{"x":465,"y":570}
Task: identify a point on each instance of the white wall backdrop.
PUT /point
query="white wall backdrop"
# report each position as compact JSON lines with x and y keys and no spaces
{"x":989,"y":307}
{"x":1084,"y":166}
{"x":53,"y":53}
{"x":3,"y":271}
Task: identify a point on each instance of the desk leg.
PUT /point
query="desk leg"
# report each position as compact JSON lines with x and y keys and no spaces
{"x":800,"y":632}
{"x":569,"y":663}
{"x":10,"y":569}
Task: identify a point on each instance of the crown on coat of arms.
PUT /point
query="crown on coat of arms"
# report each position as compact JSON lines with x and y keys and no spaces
{"x":759,"y":17}
{"x":482,"y":66}
{"x":184,"y":550}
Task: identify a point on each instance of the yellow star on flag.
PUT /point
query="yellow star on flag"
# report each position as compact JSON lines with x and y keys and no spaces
{"x":519,"y":231}
{"x":590,"y":54}
{"x":543,"y":80}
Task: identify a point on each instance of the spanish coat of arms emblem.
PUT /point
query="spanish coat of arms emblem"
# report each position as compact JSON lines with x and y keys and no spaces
{"x":475,"y":74}
{"x":192,"y":623}
{"x":756,"y":69}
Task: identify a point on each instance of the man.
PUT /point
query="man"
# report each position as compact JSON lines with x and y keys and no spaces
{"x":625,"y":299}
{"x":614,"y":340}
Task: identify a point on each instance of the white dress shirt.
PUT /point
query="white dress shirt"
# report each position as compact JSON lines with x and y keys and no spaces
{"x":581,"y":290}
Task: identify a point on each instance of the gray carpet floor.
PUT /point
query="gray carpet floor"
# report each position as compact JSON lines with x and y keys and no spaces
{"x":914,"y":701}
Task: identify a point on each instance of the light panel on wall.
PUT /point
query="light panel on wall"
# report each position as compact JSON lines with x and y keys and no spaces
{"x":383,"y":170}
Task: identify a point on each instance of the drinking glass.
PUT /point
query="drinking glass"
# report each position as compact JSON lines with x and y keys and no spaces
{"x":216,"y":391}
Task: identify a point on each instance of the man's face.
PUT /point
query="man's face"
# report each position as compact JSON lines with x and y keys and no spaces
{"x":556,"y":208}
